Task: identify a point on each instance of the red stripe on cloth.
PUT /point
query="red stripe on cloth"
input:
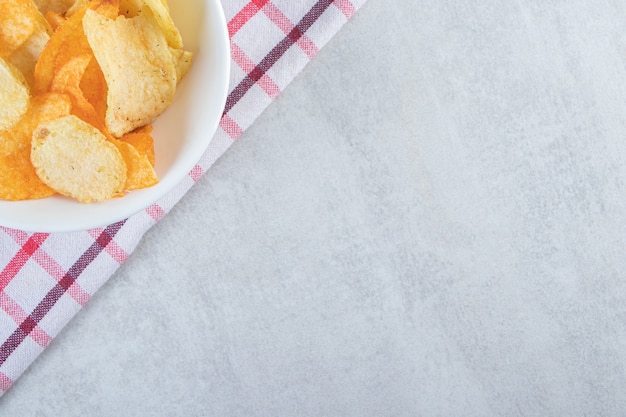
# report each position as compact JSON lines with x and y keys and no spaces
{"x":245,"y":63}
{"x":244,"y":15}
{"x":284,"y":24}
{"x":231,"y":127}
{"x":55,"y":294}
{"x":21,"y":257}
{"x":196,"y":173}
{"x":57,"y":272}
{"x":19,"y":316}
{"x":156,"y":212}
{"x":345,"y":7}
{"x":5,"y":382}
{"x":17,"y":235}
{"x":276,"y":53}
{"x":118,"y":254}
{"x":50,"y":266}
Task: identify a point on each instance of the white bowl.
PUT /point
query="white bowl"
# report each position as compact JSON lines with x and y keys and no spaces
{"x":181,"y":134}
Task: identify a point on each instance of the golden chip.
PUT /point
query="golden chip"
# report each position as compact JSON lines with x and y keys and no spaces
{"x":142,"y":140}
{"x":67,"y":80}
{"x":18,"y":20}
{"x":76,"y":7}
{"x":55,"y":19}
{"x":161,"y":11}
{"x":25,"y":57}
{"x":14,"y":95}
{"x":182,"y":60}
{"x":18,"y":180}
{"x":67,"y":42}
{"x":139,"y":173}
{"x":56,"y":6}
{"x":137,"y":65}
{"x":94,"y":88}
{"x":74,"y":158}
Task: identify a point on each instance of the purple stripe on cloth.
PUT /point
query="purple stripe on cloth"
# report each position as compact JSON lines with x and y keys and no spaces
{"x":278,"y":51}
{"x":55,"y":294}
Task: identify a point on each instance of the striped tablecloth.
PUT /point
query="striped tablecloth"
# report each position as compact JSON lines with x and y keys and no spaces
{"x":46,"y":278}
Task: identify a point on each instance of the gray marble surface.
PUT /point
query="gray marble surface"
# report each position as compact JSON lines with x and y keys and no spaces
{"x":430,"y":221}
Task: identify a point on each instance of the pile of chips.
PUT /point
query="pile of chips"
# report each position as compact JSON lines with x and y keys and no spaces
{"x":81,"y":81}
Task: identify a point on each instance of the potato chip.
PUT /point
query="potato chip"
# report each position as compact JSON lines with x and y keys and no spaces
{"x":94,"y":88}
{"x":18,"y":180}
{"x":67,"y":42}
{"x":142,"y":140}
{"x":75,"y":159}
{"x":137,"y":65}
{"x":161,"y":11}
{"x":70,"y":74}
{"x":14,"y":95}
{"x":42,"y":108}
{"x":25,"y":57}
{"x":182,"y":60}
{"x":55,"y":19}
{"x":56,"y":6}
{"x":67,"y":80}
{"x":77,"y":7}
{"x":18,"y":20}
{"x":139,"y":172}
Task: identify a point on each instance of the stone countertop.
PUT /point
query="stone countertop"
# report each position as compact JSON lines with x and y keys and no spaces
{"x":429,"y":221}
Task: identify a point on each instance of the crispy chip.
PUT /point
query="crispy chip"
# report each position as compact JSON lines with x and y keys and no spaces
{"x":42,"y":108}
{"x":142,"y":140}
{"x":67,"y":42}
{"x":67,"y":80}
{"x":18,"y":180}
{"x":182,"y":60}
{"x":25,"y":57}
{"x":70,"y":74}
{"x":94,"y":88}
{"x":137,"y":65}
{"x":55,"y":19}
{"x":56,"y":6}
{"x":14,"y":95}
{"x":77,"y":7}
{"x":140,"y":173}
{"x":75,"y":159}
{"x":18,"y":20}
{"x":161,"y":11}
